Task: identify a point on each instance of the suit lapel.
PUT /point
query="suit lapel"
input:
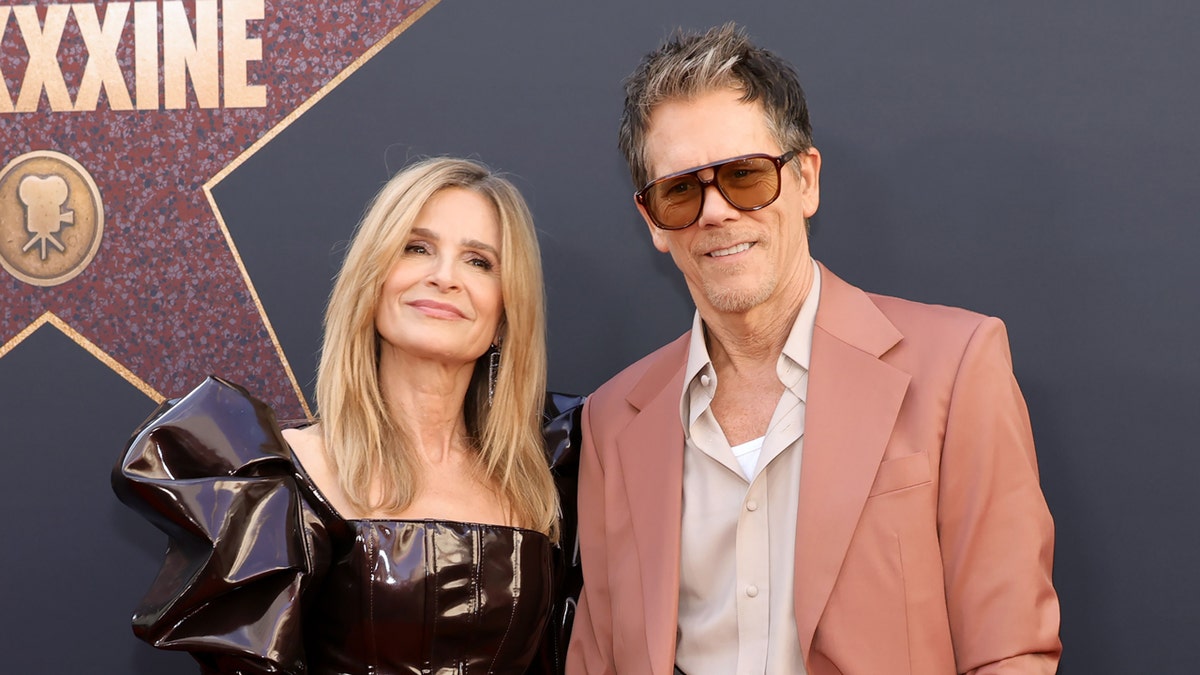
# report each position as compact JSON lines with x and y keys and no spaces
{"x":853,"y":401}
{"x":651,"y":454}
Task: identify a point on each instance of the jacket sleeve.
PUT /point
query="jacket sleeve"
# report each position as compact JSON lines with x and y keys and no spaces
{"x":591,"y":639}
{"x":212,"y":472}
{"x":996,"y":532}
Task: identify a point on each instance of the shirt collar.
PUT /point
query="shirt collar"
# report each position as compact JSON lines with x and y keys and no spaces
{"x":797,"y":351}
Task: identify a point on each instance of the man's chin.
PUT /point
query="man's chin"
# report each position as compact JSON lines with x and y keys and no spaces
{"x":734,"y":300}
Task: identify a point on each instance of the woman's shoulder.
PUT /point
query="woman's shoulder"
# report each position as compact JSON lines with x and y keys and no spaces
{"x":315,"y":470}
{"x":308,"y":447}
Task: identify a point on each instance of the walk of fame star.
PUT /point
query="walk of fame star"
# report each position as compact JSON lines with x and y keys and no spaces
{"x":166,"y":299}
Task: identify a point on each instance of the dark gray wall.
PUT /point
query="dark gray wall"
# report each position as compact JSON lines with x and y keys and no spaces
{"x":1035,"y":161}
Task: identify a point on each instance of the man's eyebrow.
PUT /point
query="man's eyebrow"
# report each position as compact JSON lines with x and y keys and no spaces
{"x":467,"y":243}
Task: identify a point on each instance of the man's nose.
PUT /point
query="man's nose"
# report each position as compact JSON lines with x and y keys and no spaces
{"x":714,"y":209}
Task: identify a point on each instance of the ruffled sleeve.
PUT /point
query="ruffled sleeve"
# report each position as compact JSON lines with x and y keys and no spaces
{"x":562,"y":432}
{"x":212,"y":471}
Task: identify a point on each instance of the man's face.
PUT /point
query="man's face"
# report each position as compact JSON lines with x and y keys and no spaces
{"x":733,"y":261}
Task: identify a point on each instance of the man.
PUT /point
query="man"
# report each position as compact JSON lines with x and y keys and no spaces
{"x":813,"y":479}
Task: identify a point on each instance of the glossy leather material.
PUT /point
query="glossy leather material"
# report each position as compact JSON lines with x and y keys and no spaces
{"x":263,"y":576}
{"x":562,"y":429}
{"x":415,"y":597}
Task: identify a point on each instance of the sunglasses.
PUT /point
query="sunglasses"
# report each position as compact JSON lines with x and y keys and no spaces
{"x":748,"y":183}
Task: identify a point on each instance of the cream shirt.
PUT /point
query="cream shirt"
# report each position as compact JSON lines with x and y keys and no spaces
{"x":736,"y":607}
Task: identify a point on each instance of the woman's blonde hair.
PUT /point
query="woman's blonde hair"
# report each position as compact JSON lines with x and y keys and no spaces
{"x":362,"y":440}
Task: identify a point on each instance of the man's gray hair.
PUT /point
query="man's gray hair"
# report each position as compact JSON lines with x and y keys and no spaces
{"x":690,"y":64}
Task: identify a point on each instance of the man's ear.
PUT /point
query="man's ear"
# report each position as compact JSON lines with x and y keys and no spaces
{"x":810,"y":181}
{"x":657,"y":234}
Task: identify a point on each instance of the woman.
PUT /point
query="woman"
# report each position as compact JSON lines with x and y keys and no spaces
{"x":412,"y":528}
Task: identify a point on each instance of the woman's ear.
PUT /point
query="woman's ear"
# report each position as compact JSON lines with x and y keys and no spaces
{"x":498,"y":339}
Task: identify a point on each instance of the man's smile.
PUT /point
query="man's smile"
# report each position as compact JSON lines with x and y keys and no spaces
{"x":736,"y":248}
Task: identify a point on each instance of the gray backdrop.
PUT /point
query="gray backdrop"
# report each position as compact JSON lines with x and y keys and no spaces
{"x":1035,"y":161}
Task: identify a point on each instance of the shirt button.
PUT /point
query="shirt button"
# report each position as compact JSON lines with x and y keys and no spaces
{"x":705,"y":380}
{"x":752,"y":591}
{"x":751,"y":505}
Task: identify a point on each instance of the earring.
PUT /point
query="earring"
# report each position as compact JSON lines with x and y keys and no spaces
{"x":493,"y":370}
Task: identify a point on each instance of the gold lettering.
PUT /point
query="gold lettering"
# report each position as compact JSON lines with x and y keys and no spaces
{"x":42,"y":71}
{"x":206,"y":53}
{"x":6,"y":105}
{"x":186,"y":55}
{"x":239,"y":50}
{"x":102,"y":69}
{"x":145,"y":47}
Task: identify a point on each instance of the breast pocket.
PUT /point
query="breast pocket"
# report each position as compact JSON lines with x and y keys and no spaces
{"x":901,"y":472}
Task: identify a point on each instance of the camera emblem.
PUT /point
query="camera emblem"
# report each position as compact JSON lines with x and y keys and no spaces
{"x":51,"y":218}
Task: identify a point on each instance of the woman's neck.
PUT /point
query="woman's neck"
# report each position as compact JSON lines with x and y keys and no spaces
{"x":426,"y":398}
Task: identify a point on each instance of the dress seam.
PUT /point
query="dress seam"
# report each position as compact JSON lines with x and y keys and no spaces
{"x":518,"y":542}
{"x":477,"y":602}
{"x":372,"y":560}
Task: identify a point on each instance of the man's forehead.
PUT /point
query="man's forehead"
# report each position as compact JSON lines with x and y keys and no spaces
{"x":684,"y":133}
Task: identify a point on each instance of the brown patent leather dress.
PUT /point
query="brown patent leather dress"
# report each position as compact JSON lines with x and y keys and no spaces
{"x":263,"y":576}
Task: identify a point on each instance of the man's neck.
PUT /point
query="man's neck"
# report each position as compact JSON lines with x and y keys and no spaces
{"x":752,"y":340}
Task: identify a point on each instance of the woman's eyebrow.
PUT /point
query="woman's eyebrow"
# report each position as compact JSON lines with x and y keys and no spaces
{"x":476,"y":244}
{"x":466,"y":243}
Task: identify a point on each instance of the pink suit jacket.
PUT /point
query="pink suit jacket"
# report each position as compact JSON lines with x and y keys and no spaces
{"x":923,"y":542}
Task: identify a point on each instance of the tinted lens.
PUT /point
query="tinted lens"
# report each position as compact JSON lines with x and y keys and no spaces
{"x":749,"y":183}
{"x":674,"y":202}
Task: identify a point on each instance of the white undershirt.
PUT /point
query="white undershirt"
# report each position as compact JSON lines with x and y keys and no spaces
{"x":747,"y":456}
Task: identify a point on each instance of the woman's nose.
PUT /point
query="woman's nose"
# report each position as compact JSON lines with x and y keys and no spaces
{"x":443,"y":274}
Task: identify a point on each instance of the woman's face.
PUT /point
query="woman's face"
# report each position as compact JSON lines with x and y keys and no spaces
{"x":442,"y":300}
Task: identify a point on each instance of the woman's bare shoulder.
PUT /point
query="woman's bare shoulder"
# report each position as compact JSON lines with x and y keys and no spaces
{"x":308,"y":445}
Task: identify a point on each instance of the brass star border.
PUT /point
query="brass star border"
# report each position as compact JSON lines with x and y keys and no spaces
{"x":167,"y":298}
